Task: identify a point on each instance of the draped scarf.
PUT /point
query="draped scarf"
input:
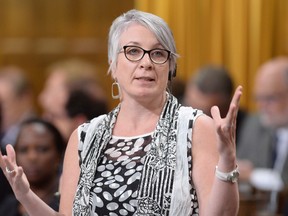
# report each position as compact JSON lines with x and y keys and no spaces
{"x":156,"y":183}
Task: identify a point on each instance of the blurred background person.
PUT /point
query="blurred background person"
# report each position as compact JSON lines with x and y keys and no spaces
{"x":177,"y":88}
{"x":63,"y":78}
{"x":212,"y":85}
{"x":79,"y":108}
{"x":263,"y":140}
{"x":39,"y":149}
{"x":17,"y":102}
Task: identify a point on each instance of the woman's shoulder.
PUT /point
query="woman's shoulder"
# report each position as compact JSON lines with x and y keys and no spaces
{"x":91,"y":123}
{"x":89,"y":127}
{"x":190,"y":112}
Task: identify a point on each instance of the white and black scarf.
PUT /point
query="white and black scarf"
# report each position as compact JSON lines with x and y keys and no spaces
{"x":156,"y":184}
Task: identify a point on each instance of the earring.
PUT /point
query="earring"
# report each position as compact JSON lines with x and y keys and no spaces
{"x":115,"y":85}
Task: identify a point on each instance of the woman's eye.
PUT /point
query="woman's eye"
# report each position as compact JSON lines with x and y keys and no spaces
{"x":158,"y":53}
{"x":42,"y":149}
{"x":133,"y":51}
{"x":21,"y":150}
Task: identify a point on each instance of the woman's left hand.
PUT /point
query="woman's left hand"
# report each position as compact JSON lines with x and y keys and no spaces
{"x":226,"y":127}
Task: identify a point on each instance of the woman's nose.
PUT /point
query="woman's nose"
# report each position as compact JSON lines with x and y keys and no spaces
{"x":146,"y":61}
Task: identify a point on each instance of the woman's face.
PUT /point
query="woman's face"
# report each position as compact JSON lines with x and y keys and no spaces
{"x":140,"y":79}
{"x":37,"y":153}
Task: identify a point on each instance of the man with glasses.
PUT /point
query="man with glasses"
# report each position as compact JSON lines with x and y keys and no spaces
{"x":264,"y":138}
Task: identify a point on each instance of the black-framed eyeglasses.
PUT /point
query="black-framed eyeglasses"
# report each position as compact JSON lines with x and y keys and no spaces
{"x":135,"y":53}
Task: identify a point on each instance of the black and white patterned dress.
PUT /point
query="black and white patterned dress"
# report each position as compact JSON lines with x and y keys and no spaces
{"x":118,"y":174}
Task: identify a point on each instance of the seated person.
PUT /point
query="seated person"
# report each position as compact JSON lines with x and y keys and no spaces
{"x":16,"y":105}
{"x":17,"y":102}
{"x":79,"y":108}
{"x":65,"y":77}
{"x":39,"y":148}
{"x":263,"y":141}
{"x":210,"y":86}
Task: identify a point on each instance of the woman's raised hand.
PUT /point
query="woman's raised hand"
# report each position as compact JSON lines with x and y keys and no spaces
{"x":14,"y":173}
{"x":226,"y":127}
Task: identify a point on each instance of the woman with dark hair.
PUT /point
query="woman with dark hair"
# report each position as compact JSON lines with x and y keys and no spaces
{"x":39,"y":148}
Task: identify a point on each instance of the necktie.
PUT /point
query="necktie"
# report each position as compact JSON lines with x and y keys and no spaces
{"x":274,"y":150}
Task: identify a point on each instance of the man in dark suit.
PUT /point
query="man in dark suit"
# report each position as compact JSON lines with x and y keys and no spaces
{"x":263,"y":139}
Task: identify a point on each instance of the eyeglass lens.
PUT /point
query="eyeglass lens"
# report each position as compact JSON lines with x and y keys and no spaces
{"x":135,"y":53}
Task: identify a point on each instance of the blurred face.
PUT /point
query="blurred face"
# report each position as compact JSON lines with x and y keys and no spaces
{"x":54,"y":95}
{"x":37,"y":153}
{"x":199,"y":100}
{"x":271,"y":95}
{"x":53,"y":99}
{"x":140,"y":79}
{"x":9,"y":104}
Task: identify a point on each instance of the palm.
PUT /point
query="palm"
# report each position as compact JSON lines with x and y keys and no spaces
{"x":17,"y":179}
{"x":226,"y":127}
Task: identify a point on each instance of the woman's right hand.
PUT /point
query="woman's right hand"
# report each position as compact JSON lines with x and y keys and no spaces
{"x":14,"y":173}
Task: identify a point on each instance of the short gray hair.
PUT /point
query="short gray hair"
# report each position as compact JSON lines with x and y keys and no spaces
{"x":154,"y":23}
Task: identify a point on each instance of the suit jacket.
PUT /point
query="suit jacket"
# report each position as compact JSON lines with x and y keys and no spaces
{"x":256,"y":143}
{"x":241,"y":116}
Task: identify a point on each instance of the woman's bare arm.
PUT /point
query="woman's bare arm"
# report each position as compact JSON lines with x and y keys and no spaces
{"x":70,"y":176}
{"x":21,"y":188}
{"x":214,"y":144}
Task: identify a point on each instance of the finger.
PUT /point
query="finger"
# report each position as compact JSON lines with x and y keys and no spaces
{"x":19,"y":172}
{"x":2,"y":164}
{"x":10,"y":160}
{"x":237,"y":95}
{"x":234,"y":106}
{"x":11,"y":153}
{"x":215,"y":113}
{"x":8,"y":167}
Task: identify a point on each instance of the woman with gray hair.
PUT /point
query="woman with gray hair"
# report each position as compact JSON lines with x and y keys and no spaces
{"x":141,"y":158}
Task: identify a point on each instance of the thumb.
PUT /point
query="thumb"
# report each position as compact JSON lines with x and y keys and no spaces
{"x":215,"y":113}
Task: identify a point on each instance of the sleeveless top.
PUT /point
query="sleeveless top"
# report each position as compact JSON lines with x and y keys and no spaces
{"x":147,"y":175}
{"x":115,"y":186}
